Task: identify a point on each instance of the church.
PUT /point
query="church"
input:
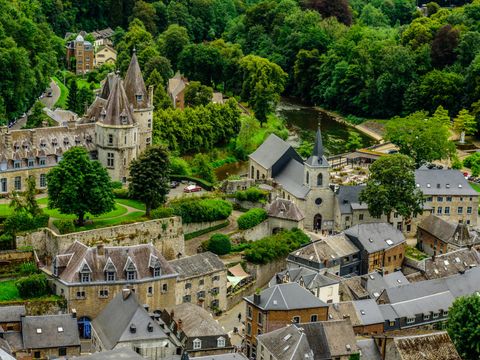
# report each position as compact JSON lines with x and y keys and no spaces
{"x":116,"y":128}
{"x":306,"y":183}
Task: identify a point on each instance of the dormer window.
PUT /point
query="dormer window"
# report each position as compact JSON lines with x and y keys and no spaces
{"x":156,"y":272}
{"x":154,"y":265}
{"x":43,"y":144}
{"x":66,"y":141}
{"x":131,"y":275}
{"x":85,"y":277}
{"x":197,"y":344}
{"x":16,"y":147}
{"x":110,"y":276}
{"x":88,"y":138}
{"x":139,"y":97}
{"x":221,"y":342}
{"x":130,"y":269}
{"x":85,"y":272}
{"x":110,"y":270}
{"x":54,"y":142}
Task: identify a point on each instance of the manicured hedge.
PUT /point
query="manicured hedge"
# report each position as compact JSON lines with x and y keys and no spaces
{"x":65,"y":226}
{"x":200,"y":182}
{"x":252,"y":194}
{"x":32,"y":286}
{"x":276,"y":246}
{"x":194,"y":210}
{"x":121,"y":193}
{"x":198,"y":233}
{"x":22,"y":221}
{"x":251,"y":218}
{"x":161,"y":213}
{"x":219,"y":244}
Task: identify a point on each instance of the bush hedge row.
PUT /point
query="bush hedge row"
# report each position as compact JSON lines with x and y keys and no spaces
{"x":252,"y":194}
{"x":275,"y":246}
{"x":161,"y":213}
{"x":201,"y":210}
{"x":251,"y":218}
{"x":219,"y":244}
{"x":22,"y":221}
{"x":32,"y":286}
{"x":65,"y":226}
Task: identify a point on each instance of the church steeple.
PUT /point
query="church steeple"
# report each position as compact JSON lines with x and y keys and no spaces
{"x":317,"y":158}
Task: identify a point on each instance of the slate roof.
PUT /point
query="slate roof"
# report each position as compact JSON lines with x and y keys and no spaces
{"x":451,"y":263}
{"x":344,"y":310}
{"x":318,"y":159}
{"x":311,"y":279}
{"x":426,"y":347}
{"x":134,"y":85}
{"x":316,"y":341}
{"x":373,"y":237}
{"x":442,"y":182}
{"x":347,"y":196}
{"x":114,"y":322}
{"x":368,"y":349}
{"x":376,"y":283}
{"x":12,"y":313}
{"x":56,"y":331}
{"x":271,"y":150}
{"x":120,"y":354}
{"x":447,"y":231}
{"x":176,"y":85}
{"x":368,"y":311}
{"x":197,"y":322}
{"x":197,"y":265}
{"x":117,"y":111}
{"x":287,"y":296}
{"x":102,"y":34}
{"x":291,"y":178}
{"x":423,"y":305}
{"x":285,"y":209}
{"x":229,"y":356}
{"x":143,"y":256}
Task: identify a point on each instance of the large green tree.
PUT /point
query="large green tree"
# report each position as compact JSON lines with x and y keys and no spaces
{"x":463,"y":326}
{"x":422,"y":137}
{"x":391,"y":188}
{"x":149,"y":177}
{"x":465,"y":124}
{"x":78,"y":185}
{"x":197,"y":94}
{"x":172,"y":41}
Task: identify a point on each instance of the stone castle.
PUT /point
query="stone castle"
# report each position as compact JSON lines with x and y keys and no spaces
{"x":116,"y":128}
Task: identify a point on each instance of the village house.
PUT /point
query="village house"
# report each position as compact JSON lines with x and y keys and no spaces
{"x":279,"y":306}
{"x":323,"y":340}
{"x":105,"y":54}
{"x":371,"y":285}
{"x":229,"y":356}
{"x":284,"y":215}
{"x":115,"y":130}
{"x":176,"y":90}
{"x":80,"y":55}
{"x":451,"y":263}
{"x":437,"y":235}
{"x":197,"y":331}
{"x":364,"y":315}
{"x":382,"y":247}
{"x":335,"y":253}
{"x":90,"y":277}
{"x":45,"y":337}
{"x":432,"y":346}
{"x":124,"y":323}
{"x":103,"y":37}
{"x":11,"y":317}
{"x":202,"y":280}
{"x":117,"y":354}
{"x":323,"y":287}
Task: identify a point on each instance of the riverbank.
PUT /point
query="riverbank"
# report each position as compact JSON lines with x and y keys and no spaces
{"x":375,"y":135}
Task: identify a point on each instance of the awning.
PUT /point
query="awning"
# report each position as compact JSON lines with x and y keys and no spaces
{"x":237,"y":271}
{"x":234,"y":280}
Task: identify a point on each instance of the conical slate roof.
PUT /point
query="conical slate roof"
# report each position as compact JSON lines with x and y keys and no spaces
{"x":107,"y":85}
{"x":135,"y":86}
{"x":117,"y":110}
{"x":317,"y":158}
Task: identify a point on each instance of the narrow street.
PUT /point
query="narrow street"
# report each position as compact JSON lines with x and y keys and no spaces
{"x":229,"y":320}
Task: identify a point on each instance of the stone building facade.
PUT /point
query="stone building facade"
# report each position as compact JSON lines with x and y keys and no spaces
{"x":80,"y":55}
{"x":89,"y":277}
{"x":116,"y":128}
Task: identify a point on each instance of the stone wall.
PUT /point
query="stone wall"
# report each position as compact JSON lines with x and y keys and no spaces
{"x":194,"y":227}
{"x":40,"y":307}
{"x":165,"y":234}
{"x":257,"y":232}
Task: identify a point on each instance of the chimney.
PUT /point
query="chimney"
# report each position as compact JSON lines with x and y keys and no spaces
{"x":126,"y":293}
{"x":363,"y":281}
{"x":145,"y":306}
{"x":150,"y":95}
{"x":133,"y":328}
{"x":179,"y":324}
{"x":150,"y":327}
{"x":172,"y":315}
{"x":74,"y":313}
{"x":101,"y":249}
{"x":8,"y":138}
{"x":256,"y":299}
{"x":33,"y":137}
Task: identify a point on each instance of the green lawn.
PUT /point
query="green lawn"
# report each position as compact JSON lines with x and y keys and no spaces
{"x":475,"y":186}
{"x":8,"y":291}
{"x":273,"y":123}
{"x":118,"y":211}
{"x":100,"y":223}
{"x":62,"y":100}
{"x":414,"y":253}
{"x":132,"y":203}
{"x":84,"y":83}
{"x":5,"y":210}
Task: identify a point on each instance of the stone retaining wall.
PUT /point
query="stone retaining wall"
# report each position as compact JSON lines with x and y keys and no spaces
{"x":194,"y":227}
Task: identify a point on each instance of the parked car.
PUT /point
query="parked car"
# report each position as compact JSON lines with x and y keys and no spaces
{"x":192,"y":188}
{"x":174,"y":184}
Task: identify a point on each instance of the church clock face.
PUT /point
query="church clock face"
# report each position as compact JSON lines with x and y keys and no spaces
{"x":318,"y":201}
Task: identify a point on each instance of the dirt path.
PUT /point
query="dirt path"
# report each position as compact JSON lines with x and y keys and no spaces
{"x":192,"y":245}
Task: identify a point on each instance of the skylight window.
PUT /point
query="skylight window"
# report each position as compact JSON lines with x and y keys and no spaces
{"x":286,"y":337}
{"x":286,"y":348}
{"x":389,"y":242}
{"x":60,"y":329}
{"x":446,"y":263}
{"x":362,"y":312}
{"x":457,"y":260}
{"x":39,"y":330}
{"x":428,"y":186}
{"x":376,"y":294}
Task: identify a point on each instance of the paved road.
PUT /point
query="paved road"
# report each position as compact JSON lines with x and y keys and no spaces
{"x":47,"y":101}
{"x":229,"y":319}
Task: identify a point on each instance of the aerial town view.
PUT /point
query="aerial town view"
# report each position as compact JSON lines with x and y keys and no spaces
{"x":239,"y":179}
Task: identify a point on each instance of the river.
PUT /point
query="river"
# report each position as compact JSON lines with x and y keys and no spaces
{"x":302,"y":121}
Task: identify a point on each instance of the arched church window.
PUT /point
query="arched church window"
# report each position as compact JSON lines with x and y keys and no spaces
{"x":320,"y":180}
{"x":307,"y":180}
{"x":253,"y":172}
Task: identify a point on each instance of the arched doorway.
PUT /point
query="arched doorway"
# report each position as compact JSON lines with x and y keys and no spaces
{"x":84,"y":327}
{"x":317,"y":222}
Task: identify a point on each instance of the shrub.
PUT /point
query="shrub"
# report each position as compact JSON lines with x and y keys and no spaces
{"x":32,"y":286}
{"x":251,"y":218}
{"x":7,"y":242}
{"x":121,"y":193}
{"x":219,"y":244}
{"x":179,"y":166}
{"x":117,"y":184}
{"x":27,"y":268}
{"x":203,"y":183}
{"x":252,"y":194}
{"x":161,"y":213}
{"x":201,"y":209}
{"x":65,"y":226}
{"x":23,"y":221}
{"x":275,"y":246}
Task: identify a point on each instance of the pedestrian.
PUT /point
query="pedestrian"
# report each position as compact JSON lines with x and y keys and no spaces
{"x":239,"y":317}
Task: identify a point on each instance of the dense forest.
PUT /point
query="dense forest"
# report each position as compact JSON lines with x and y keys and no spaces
{"x":378,"y":58}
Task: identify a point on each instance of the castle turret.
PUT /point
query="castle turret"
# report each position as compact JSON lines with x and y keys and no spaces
{"x":139,"y":97}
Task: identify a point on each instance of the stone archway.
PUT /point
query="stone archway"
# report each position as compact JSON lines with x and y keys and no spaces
{"x":317,"y":222}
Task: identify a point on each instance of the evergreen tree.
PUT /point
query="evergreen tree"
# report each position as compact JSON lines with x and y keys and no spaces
{"x":465,"y":124}
{"x":72,"y":100}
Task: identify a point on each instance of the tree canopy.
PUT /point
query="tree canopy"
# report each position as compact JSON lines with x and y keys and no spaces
{"x":391,"y":188}
{"x":78,"y":185}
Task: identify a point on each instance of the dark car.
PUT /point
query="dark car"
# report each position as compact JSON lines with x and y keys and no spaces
{"x":174,"y":184}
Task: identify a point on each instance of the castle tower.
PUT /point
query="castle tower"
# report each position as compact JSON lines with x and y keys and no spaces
{"x":116,"y":132}
{"x":320,"y":199}
{"x":142,"y":102}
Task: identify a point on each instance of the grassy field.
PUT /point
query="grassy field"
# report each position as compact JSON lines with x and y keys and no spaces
{"x":84,"y":83}
{"x":100,"y":223}
{"x":8,"y":291}
{"x":475,"y":186}
{"x":62,"y":100}
{"x":132,"y":203}
{"x":414,"y":253}
{"x":273,"y":123}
